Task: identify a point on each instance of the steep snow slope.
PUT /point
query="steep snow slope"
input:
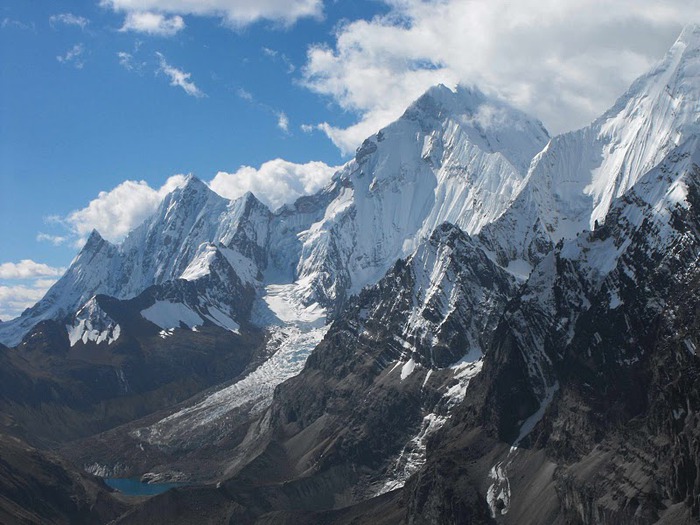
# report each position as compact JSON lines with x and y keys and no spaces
{"x":457,"y":156}
{"x":573,"y":181}
{"x":165,"y":246}
{"x":584,"y":171}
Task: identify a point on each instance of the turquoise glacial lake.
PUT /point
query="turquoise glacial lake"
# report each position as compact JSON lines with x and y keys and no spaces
{"x":134,"y":486}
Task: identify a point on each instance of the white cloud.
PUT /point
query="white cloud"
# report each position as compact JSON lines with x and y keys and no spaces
{"x":281,"y":116}
{"x":245,"y":95}
{"x":564,"y":62}
{"x":44,"y":283}
{"x":236,"y":13}
{"x":56,"y":240}
{"x":275,"y":55}
{"x":126,"y":60}
{"x":275,"y":183}
{"x":73,"y":56}
{"x":153,"y":23}
{"x":179,"y":78}
{"x":68,"y":19}
{"x":129,"y":62}
{"x":28,"y":269}
{"x":283,"y":121}
{"x":17,"y":24}
{"x":115,"y":213}
{"x":15,"y":299}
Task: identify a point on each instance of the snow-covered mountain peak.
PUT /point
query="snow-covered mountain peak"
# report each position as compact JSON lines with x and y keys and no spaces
{"x":185,"y":200}
{"x":169,"y":245}
{"x":93,"y":240}
{"x":445,"y":128}
{"x":490,"y":123}
{"x":191,"y":186}
{"x":454,"y":156}
{"x":247,"y":205}
{"x":674,"y":78}
{"x":440,"y":100}
{"x":94,"y":244}
{"x":659,"y":112}
{"x":690,"y":36}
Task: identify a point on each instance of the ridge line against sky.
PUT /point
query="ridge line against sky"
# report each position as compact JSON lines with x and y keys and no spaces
{"x":105,"y":102}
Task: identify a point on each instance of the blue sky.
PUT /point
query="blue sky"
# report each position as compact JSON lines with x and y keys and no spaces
{"x":74,"y":128}
{"x":102,"y":103}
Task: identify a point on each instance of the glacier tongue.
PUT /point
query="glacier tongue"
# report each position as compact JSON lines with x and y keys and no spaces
{"x":294,"y":331}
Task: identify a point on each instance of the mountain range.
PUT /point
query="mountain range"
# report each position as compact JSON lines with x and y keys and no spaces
{"x":474,"y":322}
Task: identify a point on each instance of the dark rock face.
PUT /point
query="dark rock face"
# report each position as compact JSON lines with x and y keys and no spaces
{"x":620,"y":348}
{"x":38,"y":488}
{"x":366,"y":409}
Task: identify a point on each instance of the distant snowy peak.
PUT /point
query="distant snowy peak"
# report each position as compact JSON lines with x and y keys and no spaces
{"x":167,"y":245}
{"x":97,"y":265}
{"x":162,"y":248}
{"x":192,"y":229}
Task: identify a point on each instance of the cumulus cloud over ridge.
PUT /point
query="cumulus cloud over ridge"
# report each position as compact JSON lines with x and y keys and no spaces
{"x":563,"y":62}
{"x":116,"y":212}
{"x":276,"y":182}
